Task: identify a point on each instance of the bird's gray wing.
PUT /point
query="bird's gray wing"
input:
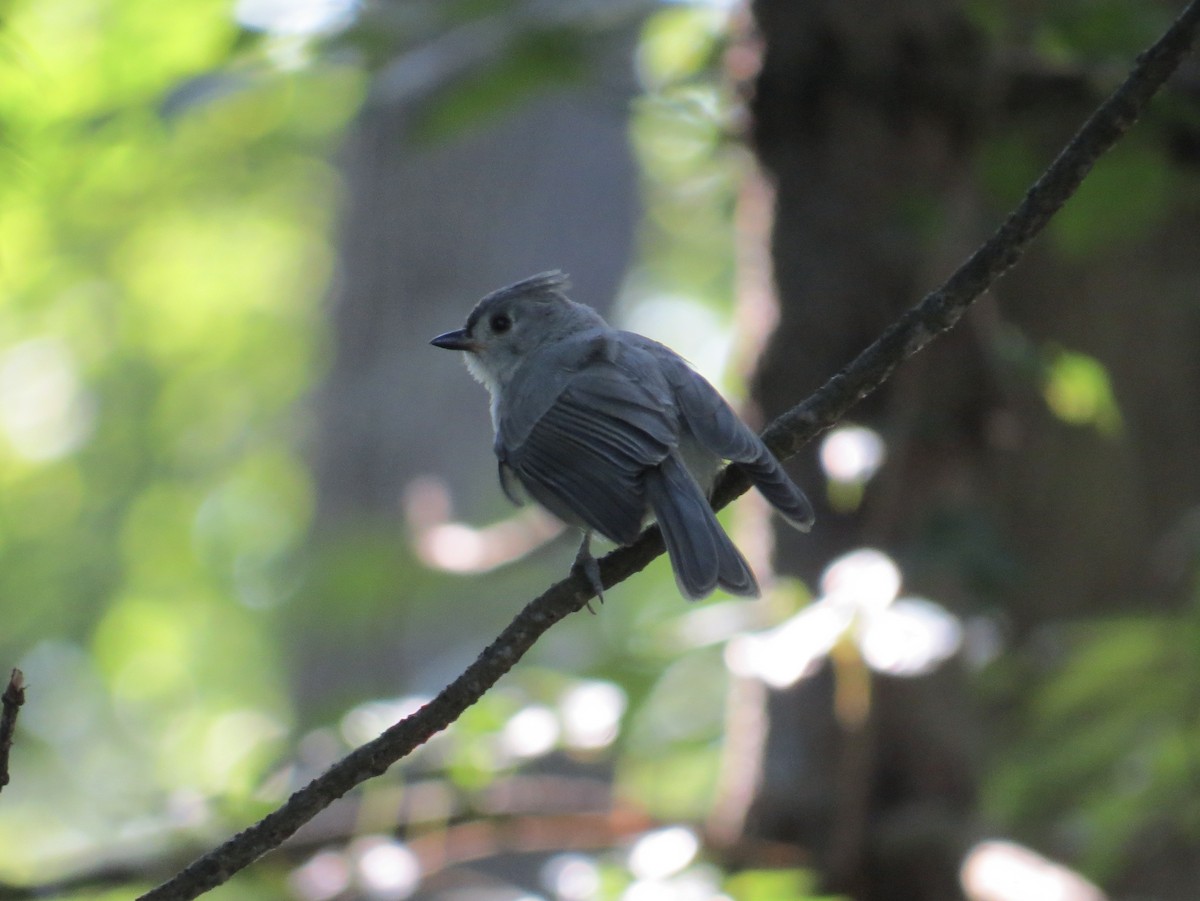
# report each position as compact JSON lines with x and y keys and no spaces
{"x":714,"y":424}
{"x":706,"y":412}
{"x":581,"y":434}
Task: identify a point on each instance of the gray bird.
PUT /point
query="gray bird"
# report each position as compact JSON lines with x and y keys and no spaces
{"x":603,"y":427}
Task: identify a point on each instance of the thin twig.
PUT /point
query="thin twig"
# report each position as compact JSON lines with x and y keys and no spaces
{"x":10,"y":701}
{"x":786,"y":435}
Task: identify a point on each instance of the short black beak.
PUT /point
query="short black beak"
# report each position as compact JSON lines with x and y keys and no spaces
{"x":455,"y":340}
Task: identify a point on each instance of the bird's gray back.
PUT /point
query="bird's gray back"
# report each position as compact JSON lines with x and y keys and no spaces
{"x":582,"y":424}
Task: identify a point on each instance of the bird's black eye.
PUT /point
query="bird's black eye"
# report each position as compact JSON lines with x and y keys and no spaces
{"x":501,"y":323}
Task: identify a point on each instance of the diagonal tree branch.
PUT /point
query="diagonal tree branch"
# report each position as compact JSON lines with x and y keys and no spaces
{"x":938,"y":312}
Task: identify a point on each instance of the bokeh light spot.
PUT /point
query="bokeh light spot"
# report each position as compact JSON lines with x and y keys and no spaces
{"x":387,"y":869}
{"x":296,"y":17}
{"x":326,"y":875}
{"x":1006,"y":871}
{"x":866,"y":579}
{"x":663,"y":853}
{"x":531,"y":732}
{"x":910,"y":638}
{"x":852,"y":454}
{"x":571,"y":877}
{"x":44,"y":411}
{"x":591,"y":714}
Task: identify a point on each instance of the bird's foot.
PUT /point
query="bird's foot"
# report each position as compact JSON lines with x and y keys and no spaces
{"x":590,"y":567}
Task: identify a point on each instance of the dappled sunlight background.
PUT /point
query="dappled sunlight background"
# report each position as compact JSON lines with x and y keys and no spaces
{"x":164,"y":252}
{"x":166,"y":245}
{"x":170,"y":207}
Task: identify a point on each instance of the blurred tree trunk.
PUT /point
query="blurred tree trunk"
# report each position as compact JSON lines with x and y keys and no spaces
{"x":865,"y":117}
{"x":431,"y":223}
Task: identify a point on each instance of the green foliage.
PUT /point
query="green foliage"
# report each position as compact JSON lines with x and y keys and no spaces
{"x":1074,"y":32}
{"x":1082,"y":30}
{"x":159,"y":283}
{"x":1086,"y":45}
{"x":165,"y":216}
{"x":680,"y":45}
{"x":1078,"y":391}
{"x":672,"y":749}
{"x":774,"y":885}
{"x":1105,"y":752}
{"x":690,"y":167}
{"x":1128,"y":192}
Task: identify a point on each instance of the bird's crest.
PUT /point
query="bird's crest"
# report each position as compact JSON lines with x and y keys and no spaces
{"x":553,"y":282}
{"x":550,"y":285}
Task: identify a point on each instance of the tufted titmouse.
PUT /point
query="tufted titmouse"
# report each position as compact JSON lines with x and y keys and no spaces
{"x":603,"y":427}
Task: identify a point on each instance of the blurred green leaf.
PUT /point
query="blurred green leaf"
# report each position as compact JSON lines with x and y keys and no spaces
{"x":160,"y":283}
{"x":1107,"y":752}
{"x":675,"y":784}
{"x":680,"y":42}
{"x":1127,"y":192}
{"x":774,"y":885}
{"x":1078,"y":391}
{"x":1098,"y":29}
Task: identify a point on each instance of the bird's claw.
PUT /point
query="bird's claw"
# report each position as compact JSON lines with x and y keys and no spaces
{"x":590,"y":568}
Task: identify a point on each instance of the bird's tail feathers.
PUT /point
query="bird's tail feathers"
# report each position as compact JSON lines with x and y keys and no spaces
{"x":773,"y":483}
{"x":702,"y":556}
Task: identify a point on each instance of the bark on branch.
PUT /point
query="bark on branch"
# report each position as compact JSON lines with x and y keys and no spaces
{"x":938,"y":312}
